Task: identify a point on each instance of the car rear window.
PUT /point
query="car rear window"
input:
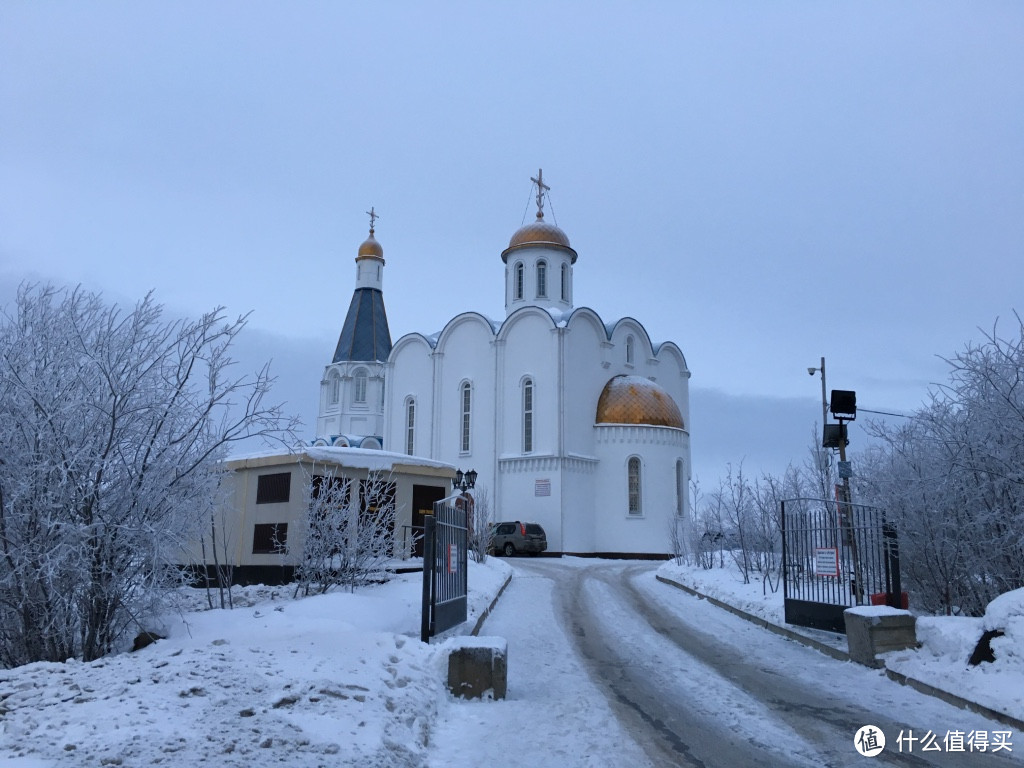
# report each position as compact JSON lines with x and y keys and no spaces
{"x":534,"y":529}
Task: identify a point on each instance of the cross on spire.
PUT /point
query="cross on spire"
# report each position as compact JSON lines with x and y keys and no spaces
{"x":541,"y":189}
{"x":373,"y":217}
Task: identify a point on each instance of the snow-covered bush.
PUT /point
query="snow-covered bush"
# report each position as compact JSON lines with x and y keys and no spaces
{"x":351,"y":533}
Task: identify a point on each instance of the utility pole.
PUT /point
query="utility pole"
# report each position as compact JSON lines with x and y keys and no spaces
{"x":824,"y":400}
{"x":844,"y":408}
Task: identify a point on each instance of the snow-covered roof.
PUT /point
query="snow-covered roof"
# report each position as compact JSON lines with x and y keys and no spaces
{"x":371,"y":459}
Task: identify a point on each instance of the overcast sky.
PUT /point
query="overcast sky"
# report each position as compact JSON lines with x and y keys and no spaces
{"x":762,"y":183}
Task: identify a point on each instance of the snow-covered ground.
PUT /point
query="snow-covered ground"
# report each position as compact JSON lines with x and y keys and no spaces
{"x":337,"y":679}
{"x":946,"y":642}
{"x":343,"y":679}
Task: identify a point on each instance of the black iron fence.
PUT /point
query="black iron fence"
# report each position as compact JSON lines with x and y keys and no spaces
{"x":835,"y":555}
{"x":445,"y":584}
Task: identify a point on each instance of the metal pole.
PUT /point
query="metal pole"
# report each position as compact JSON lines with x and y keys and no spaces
{"x":426,"y":619}
{"x":824,"y":398}
{"x":850,"y":522}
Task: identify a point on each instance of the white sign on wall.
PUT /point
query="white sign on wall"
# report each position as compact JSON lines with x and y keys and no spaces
{"x":542,"y":487}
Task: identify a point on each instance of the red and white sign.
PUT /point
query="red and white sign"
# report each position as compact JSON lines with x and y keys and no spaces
{"x":453,"y":558}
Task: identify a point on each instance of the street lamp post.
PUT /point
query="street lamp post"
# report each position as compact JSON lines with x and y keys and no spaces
{"x":464,"y":482}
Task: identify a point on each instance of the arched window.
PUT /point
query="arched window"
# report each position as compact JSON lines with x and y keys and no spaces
{"x":519,"y":280}
{"x":633,"y":480}
{"x":629,"y":350}
{"x":410,"y":426}
{"x":680,"y":488}
{"x":359,"y":392}
{"x":333,"y":388}
{"x":565,"y":282}
{"x":542,"y":279}
{"x":466,"y":399}
{"x":527,"y":415}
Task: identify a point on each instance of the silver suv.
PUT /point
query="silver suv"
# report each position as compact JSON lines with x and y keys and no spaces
{"x":510,"y":538}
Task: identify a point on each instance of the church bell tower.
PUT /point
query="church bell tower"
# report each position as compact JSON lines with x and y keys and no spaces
{"x":352,"y":388}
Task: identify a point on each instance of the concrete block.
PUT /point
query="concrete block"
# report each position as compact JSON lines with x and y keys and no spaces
{"x":477,"y":665}
{"x":871,"y":630}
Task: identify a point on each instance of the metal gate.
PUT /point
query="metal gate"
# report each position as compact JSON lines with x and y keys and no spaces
{"x":444,"y":570}
{"x":836,"y":555}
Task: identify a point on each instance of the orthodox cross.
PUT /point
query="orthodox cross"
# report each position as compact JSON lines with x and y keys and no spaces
{"x":373,"y":217}
{"x":541,"y":189}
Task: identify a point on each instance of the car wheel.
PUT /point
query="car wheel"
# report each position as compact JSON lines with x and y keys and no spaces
{"x":509,"y":549}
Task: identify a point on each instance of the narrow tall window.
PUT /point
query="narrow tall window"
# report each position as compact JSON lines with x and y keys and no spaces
{"x":565,"y":282}
{"x":410,"y":426}
{"x":635,"y":507}
{"x":527,"y":416}
{"x":360,"y":388}
{"x":629,"y":350}
{"x":519,"y":280}
{"x":334,"y":387}
{"x":466,"y":397}
{"x":680,"y":488}
{"x":542,"y":279}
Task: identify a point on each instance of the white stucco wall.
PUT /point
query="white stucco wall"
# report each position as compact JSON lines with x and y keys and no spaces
{"x":658,"y":448}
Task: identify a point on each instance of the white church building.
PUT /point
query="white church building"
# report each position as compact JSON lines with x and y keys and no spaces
{"x":572,"y":422}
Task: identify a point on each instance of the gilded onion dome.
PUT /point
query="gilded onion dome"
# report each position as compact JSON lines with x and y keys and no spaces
{"x":539,"y":233}
{"x":370,"y":249}
{"x":636,"y":400}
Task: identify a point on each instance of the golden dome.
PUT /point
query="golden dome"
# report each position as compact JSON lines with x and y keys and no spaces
{"x":539,"y":233}
{"x":636,"y":400}
{"x":370,"y":249}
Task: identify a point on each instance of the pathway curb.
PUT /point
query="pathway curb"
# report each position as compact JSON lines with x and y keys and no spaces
{"x":487,"y":612}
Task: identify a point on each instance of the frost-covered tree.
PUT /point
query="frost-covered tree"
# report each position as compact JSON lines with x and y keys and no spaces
{"x":479,"y":518}
{"x":351,"y":531}
{"x":953,"y":479}
{"x":744,"y":517}
{"x":111,"y":426}
{"x":734,"y":498}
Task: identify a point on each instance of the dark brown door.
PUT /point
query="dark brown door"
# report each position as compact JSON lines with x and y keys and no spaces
{"x":423,"y":498}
